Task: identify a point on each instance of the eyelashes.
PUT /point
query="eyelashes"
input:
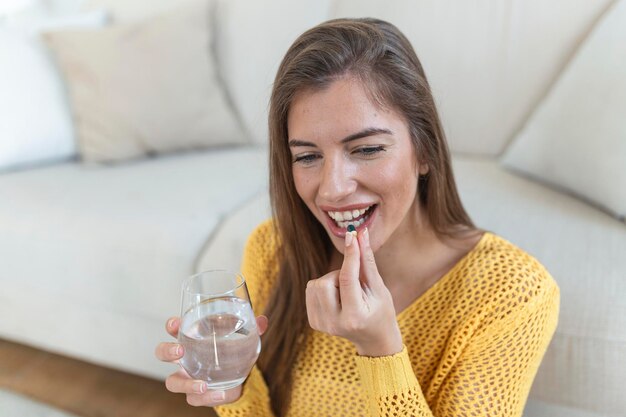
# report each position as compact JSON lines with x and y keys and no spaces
{"x":366,"y":152}
{"x":370,"y":150}
{"x":306,"y":159}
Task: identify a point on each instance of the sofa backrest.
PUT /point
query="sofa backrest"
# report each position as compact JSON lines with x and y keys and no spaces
{"x":251,"y":40}
{"x":489,"y":62}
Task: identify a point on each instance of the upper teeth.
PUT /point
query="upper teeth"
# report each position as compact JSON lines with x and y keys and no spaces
{"x":341,"y":216}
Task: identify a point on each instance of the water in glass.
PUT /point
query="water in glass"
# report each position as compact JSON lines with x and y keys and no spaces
{"x":221,"y":341}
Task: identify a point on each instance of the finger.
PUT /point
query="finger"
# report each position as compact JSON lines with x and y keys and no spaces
{"x":261,"y":324}
{"x":311,"y":304}
{"x":182,"y":384}
{"x":172,"y":325}
{"x":212,"y":398}
{"x":169,"y":352}
{"x":369,"y":270}
{"x":350,"y":289}
{"x":327,"y":293}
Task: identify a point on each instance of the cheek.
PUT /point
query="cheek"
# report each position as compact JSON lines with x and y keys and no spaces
{"x":398,"y":183}
{"x":305,"y":186}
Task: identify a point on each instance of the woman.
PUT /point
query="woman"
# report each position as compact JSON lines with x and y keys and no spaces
{"x":418,"y":312}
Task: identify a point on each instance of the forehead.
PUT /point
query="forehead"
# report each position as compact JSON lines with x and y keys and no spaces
{"x":343,"y":107}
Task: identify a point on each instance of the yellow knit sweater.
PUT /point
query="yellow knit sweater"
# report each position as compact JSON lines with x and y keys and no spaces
{"x":473,"y":343}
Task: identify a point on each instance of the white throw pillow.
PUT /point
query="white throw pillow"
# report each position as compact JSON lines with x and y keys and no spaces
{"x":576,"y":139}
{"x":35,"y":119}
{"x":146,"y":88}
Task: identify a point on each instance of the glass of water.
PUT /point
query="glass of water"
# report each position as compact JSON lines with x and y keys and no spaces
{"x":218,"y":329}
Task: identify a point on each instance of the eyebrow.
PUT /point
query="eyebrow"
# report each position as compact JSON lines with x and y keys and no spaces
{"x":370,"y":131}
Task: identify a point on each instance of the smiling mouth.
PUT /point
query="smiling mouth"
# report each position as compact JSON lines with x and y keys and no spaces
{"x":356,"y":218}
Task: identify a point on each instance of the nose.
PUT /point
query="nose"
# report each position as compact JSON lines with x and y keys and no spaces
{"x":337,"y":181}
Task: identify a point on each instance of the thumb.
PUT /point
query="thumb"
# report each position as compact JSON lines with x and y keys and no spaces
{"x":369,"y":270}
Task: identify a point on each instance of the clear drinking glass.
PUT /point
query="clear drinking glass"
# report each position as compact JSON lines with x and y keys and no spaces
{"x":218,"y":329}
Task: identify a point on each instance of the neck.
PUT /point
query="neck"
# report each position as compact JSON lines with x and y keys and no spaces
{"x":408,"y":255}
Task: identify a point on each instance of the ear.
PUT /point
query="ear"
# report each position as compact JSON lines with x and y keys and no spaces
{"x":423,"y":169}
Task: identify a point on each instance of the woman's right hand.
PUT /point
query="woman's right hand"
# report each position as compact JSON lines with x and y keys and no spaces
{"x":180,"y":381}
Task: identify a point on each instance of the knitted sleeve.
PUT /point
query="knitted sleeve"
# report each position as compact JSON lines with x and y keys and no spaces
{"x":490,"y":375}
{"x":254,"y":400}
{"x":259,"y":268}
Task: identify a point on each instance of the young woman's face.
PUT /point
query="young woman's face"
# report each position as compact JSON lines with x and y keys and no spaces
{"x":353,"y":162}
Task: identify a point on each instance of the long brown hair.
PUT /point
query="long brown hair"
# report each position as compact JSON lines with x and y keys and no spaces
{"x":380,"y":56}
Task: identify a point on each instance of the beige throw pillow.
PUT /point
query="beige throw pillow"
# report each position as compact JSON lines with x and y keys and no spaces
{"x":146,"y":88}
{"x":576,"y":139}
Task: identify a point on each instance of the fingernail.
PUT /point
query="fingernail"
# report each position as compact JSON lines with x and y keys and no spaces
{"x":199,"y":387}
{"x":218,"y":395}
{"x":366,"y":234}
{"x":175,"y":350}
{"x":349,"y":238}
{"x":170,"y":323}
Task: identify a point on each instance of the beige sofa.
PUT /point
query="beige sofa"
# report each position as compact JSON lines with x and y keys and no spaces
{"x":92,"y":258}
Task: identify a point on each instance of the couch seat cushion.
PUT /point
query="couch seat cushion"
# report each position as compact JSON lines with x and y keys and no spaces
{"x":101,"y":246}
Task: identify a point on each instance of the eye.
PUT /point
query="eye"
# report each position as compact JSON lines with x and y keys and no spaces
{"x":305,"y":159}
{"x":370,"y":150}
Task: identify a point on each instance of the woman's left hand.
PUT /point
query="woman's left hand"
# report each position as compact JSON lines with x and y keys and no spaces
{"x":354,"y":302}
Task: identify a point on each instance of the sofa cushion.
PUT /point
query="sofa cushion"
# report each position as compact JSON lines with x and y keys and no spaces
{"x":583,"y":248}
{"x":488,"y":62}
{"x":97,"y":247}
{"x":146,"y":88}
{"x":576,"y":139}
